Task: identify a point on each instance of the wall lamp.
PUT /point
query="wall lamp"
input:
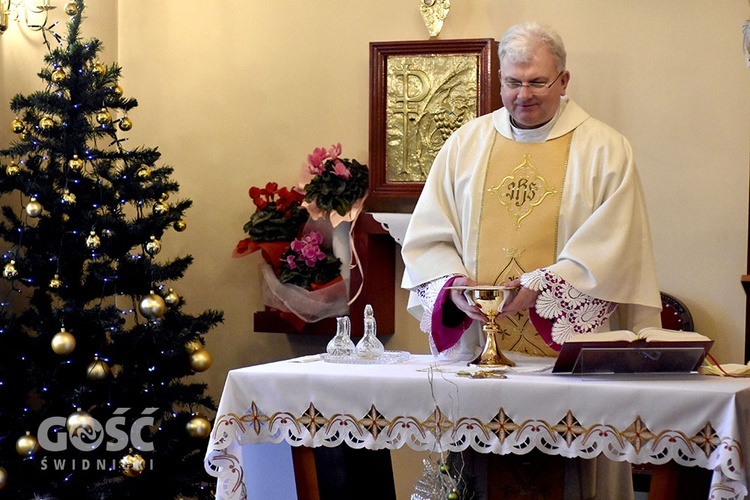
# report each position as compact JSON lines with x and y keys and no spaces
{"x":33,"y":13}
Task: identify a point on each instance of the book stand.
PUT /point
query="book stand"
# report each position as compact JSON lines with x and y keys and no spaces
{"x":638,"y":360}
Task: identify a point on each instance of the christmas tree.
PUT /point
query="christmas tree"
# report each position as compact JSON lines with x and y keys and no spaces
{"x":95,"y":346}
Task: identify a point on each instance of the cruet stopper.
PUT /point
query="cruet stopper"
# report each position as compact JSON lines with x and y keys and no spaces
{"x":341,"y":345}
{"x":369,"y":347}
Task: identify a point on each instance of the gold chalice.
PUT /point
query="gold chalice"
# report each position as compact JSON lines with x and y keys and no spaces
{"x":490,"y":300}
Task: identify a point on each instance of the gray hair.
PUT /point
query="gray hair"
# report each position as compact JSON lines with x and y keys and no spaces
{"x":519,"y":43}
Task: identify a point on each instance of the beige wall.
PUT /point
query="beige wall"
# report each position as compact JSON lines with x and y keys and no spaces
{"x":236,"y":93}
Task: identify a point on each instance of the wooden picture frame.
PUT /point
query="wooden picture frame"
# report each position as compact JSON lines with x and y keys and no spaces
{"x":420,"y":92}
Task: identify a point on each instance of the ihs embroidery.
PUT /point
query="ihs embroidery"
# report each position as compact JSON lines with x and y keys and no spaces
{"x":521,"y":191}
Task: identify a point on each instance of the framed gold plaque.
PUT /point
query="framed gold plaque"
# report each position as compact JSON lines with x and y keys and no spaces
{"x":420,"y":92}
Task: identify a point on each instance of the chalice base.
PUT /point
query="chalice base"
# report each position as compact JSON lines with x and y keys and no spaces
{"x":491,"y":355}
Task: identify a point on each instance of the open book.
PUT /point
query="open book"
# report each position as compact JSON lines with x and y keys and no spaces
{"x":623,"y":351}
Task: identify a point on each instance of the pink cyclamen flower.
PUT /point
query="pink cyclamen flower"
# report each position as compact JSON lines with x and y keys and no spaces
{"x":313,"y":237}
{"x":296,"y":245}
{"x":341,"y":170}
{"x":311,"y":255}
{"x":315,"y":170}
{"x":290,"y":262}
{"x":308,"y":248}
{"x":335,"y":151}
{"x":317,"y":157}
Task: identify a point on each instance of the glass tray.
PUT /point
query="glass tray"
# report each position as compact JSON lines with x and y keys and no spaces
{"x":388,"y":358}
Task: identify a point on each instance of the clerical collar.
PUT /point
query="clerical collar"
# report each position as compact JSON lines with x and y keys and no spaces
{"x":538,"y":134}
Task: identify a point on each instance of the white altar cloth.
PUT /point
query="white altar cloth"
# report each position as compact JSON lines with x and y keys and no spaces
{"x":692,"y":419}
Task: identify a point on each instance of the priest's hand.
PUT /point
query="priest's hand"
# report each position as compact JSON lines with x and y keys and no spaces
{"x":461,"y":302}
{"x":523,"y":299}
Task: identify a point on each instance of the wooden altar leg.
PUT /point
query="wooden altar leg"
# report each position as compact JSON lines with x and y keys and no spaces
{"x":663,"y":481}
{"x":673,"y":482}
{"x":305,"y":473}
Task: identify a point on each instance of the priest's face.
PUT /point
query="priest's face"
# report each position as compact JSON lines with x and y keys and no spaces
{"x":531,"y":89}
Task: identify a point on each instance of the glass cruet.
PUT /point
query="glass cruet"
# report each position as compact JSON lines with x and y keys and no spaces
{"x":369,"y":347}
{"x":341,"y":346}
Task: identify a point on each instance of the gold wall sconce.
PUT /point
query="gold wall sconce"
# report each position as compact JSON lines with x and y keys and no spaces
{"x":32,"y":13}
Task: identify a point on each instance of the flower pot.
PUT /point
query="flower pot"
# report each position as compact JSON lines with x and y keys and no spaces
{"x":309,"y":305}
{"x":270,"y":250}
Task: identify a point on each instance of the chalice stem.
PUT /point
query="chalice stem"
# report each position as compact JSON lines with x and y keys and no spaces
{"x":491,"y":354}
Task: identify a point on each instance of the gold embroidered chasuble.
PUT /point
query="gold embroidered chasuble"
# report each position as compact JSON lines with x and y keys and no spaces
{"x":518,"y":224}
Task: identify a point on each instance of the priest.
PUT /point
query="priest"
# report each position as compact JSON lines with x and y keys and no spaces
{"x":544,"y":198}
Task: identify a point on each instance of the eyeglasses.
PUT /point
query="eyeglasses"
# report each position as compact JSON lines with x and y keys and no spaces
{"x":536,"y":88}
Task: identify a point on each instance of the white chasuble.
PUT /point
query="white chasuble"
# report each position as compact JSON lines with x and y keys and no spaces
{"x":602,"y":243}
{"x":518,"y":224}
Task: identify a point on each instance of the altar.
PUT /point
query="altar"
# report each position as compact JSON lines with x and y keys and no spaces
{"x":693,"y":420}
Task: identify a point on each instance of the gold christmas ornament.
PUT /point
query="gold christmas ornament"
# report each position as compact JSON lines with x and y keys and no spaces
{"x":55,"y":282}
{"x":153,"y":247}
{"x":117,"y":90}
{"x":193,"y":345}
{"x":152,"y":306}
{"x":97,"y":370}
{"x":179,"y":225}
{"x":23,"y":136}
{"x":198,"y":427}
{"x":164,"y":197}
{"x":68,"y":198}
{"x":75,"y":163}
{"x":58,"y":75}
{"x":103,"y":117}
{"x":200,"y":360}
{"x":125,"y":124}
{"x":172,"y":298}
{"x":17,"y":126}
{"x":10,"y":271}
{"x":27,"y":445}
{"x":132,"y":464}
{"x":161,"y":208}
{"x":3,"y":477}
{"x":99,"y":69}
{"x":71,"y":8}
{"x":12,"y":169}
{"x":34,"y":208}
{"x":143,"y":173}
{"x":79,"y":419}
{"x":46,"y":123}
{"x":93,"y":241}
{"x":63,"y":343}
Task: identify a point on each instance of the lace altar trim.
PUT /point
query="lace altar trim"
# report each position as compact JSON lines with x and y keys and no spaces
{"x":566,"y":436}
